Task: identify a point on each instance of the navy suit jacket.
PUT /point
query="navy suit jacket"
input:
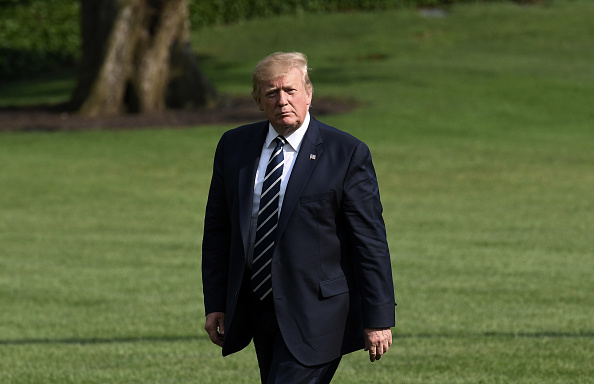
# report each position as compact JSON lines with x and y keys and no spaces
{"x":331,"y":271}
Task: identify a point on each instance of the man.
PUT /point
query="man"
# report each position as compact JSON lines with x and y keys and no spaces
{"x":294,"y":254}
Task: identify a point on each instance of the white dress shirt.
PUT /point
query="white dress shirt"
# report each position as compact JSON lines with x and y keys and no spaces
{"x":290,"y":151}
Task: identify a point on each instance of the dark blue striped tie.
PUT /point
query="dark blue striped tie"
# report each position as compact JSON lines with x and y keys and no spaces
{"x":267,"y":221}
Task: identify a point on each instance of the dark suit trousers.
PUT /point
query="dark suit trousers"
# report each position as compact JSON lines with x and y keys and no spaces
{"x":277,"y":364}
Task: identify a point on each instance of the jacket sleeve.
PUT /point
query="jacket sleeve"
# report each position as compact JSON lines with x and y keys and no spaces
{"x":371,"y":256}
{"x":216,"y":239}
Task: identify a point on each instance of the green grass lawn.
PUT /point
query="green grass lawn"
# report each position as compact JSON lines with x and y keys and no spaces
{"x":480,"y":124}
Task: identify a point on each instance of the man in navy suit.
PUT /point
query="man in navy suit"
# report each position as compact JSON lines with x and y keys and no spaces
{"x":322,"y":287}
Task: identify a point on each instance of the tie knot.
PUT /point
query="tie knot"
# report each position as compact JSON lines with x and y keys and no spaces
{"x":280,"y":141}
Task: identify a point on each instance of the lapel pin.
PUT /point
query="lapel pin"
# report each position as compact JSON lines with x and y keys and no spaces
{"x":312,"y":156}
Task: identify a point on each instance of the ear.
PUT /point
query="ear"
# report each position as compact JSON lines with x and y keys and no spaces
{"x":258,"y":101}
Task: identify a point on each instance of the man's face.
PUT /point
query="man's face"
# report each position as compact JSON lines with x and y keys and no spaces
{"x":285,"y":101}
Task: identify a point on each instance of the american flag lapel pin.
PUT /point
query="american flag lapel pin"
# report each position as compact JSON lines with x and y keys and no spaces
{"x":312,"y":156}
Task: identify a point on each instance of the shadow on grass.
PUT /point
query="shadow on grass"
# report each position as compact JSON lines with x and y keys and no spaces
{"x":232,"y":110}
{"x":511,"y":335}
{"x":99,"y":340}
{"x":173,"y":339}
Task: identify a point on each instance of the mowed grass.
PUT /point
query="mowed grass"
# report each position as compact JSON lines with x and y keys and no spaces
{"x":480,"y":124}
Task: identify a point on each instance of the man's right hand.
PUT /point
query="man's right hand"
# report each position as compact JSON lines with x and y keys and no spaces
{"x":215,"y":327}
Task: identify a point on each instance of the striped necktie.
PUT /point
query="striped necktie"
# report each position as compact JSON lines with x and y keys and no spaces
{"x":267,"y":221}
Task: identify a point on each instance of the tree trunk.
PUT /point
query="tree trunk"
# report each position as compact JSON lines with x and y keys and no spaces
{"x":137,"y":57}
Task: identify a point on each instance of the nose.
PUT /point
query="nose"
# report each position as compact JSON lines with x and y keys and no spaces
{"x":282,"y":98}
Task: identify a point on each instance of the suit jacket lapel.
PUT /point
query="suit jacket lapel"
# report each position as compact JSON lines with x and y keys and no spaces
{"x":304,"y":165}
{"x":247,"y":174}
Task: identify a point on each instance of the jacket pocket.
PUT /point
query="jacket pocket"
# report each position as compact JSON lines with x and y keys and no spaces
{"x":333,"y":287}
{"x":318,"y":197}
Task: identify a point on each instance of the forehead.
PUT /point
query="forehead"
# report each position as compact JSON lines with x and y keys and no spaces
{"x":293,"y":77}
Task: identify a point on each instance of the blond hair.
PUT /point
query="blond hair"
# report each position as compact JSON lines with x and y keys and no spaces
{"x":278,"y":65}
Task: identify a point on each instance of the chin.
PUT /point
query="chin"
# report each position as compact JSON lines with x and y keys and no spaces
{"x":289,"y":123}
{"x":285,"y":128}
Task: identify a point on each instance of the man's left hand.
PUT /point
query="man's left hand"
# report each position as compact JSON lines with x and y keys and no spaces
{"x":377,"y":342}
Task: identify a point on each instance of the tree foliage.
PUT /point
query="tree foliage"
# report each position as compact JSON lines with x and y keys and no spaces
{"x":37,"y":35}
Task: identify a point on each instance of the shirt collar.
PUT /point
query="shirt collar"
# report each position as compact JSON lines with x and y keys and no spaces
{"x":294,"y":139}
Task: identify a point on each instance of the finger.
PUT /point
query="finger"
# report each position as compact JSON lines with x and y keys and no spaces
{"x":372,"y":353}
{"x":220,"y":339}
{"x":214,"y":337}
{"x":382,"y":348}
{"x":212,"y":324}
{"x":222,"y":326}
{"x":379,"y":351}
